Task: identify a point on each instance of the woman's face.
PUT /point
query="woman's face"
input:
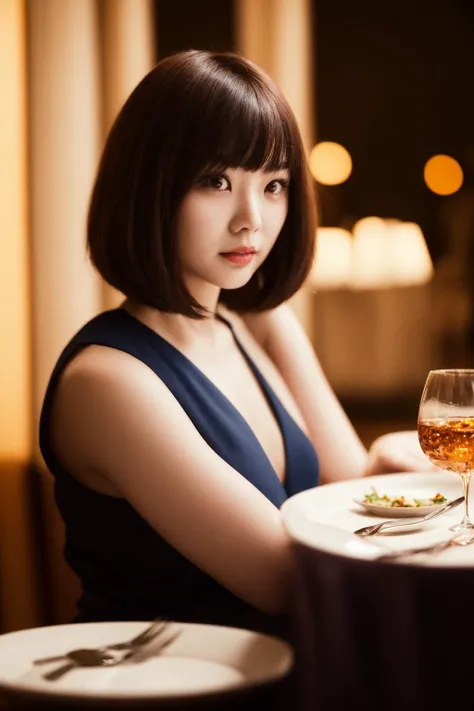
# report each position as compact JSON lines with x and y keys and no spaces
{"x":227,"y":224}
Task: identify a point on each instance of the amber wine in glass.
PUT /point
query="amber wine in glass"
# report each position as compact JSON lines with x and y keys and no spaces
{"x":446,"y":427}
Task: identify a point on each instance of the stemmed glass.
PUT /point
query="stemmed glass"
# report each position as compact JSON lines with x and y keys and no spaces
{"x":446,"y":427}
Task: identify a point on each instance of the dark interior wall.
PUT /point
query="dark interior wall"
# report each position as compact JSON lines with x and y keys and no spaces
{"x":194,"y":24}
{"x":394,"y":85}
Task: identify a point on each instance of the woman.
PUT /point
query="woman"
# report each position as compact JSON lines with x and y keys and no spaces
{"x":176,"y":425}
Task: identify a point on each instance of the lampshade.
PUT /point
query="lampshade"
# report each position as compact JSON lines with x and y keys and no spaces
{"x":380,"y":253}
{"x":370,"y":254}
{"x":410,"y":261}
{"x":332,"y":264}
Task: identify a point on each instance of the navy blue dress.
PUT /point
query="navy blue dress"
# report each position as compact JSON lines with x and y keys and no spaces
{"x":127,"y":570}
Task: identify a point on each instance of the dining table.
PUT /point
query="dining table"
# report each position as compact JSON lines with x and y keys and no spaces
{"x":376,"y":631}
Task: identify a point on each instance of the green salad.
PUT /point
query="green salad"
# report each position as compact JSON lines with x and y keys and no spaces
{"x":373,"y":497}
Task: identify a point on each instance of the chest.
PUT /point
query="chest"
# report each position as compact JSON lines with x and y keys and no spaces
{"x":237,"y":381}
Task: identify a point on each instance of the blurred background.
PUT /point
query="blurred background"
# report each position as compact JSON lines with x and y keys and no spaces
{"x":383,"y":96}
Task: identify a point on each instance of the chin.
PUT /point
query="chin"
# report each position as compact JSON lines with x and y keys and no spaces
{"x":235,"y":282}
{"x":228,"y":278}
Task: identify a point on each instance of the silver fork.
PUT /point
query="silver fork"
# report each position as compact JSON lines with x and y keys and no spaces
{"x":458,"y":540}
{"x":395,"y":523}
{"x":153,"y":648}
{"x":103,"y":656}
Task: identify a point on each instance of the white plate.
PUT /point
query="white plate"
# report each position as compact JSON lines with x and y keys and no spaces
{"x":324,"y":518}
{"x":204,"y":659}
{"x":390,"y":512}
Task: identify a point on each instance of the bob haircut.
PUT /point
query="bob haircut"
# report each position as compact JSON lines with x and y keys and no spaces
{"x":195,"y":111}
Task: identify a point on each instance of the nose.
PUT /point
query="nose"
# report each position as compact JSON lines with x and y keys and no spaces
{"x":247,"y":215}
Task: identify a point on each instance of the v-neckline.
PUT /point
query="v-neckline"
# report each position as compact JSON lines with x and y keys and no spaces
{"x":267,"y":391}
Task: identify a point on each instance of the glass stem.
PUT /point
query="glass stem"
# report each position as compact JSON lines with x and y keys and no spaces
{"x":466,"y":480}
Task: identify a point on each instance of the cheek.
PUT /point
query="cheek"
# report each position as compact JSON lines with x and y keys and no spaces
{"x":276,"y":220}
{"x":197,"y":220}
{"x":282,"y":217}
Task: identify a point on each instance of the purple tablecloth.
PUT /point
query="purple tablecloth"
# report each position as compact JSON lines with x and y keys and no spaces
{"x":369,"y":635}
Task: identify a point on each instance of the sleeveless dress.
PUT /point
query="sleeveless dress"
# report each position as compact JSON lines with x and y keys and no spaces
{"x":127,"y":570}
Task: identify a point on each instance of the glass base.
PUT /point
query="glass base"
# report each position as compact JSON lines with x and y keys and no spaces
{"x":462,"y":527}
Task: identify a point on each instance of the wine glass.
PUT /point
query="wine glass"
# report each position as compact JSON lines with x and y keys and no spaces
{"x":446,"y":427}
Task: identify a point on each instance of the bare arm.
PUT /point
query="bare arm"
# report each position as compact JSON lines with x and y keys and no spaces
{"x":121,"y":421}
{"x":341,"y":453}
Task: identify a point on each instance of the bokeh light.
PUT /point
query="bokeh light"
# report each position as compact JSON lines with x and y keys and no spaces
{"x":443,"y":175}
{"x":332,"y":263}
{"x":330,"y":163}
{"x":409,"y":255}
{"x":370,"y":254}
{"x":389,"y":253}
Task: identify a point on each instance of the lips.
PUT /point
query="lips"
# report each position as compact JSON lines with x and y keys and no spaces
{"x":241,"y":250}
{"x":239,"y":258}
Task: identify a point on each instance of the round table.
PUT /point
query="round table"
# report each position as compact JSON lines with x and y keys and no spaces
{"x":372,"y":634}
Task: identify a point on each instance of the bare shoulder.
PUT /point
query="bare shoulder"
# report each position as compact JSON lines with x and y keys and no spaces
{"x":98,"y":384}
{"x":272,"y":328}
{"x":101,"y":378}
{"x":252,"y":329}
{"x":256,"y":324}
{"x":288,"y":346}
{"x":98,"y":374}
{"x":96,"y":363}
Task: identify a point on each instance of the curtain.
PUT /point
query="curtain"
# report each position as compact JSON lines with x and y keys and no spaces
{"x":18,"y":604}
{"x":66,"y":67}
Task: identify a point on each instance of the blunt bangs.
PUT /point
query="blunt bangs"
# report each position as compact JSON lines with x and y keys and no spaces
{"x":245,"y":129}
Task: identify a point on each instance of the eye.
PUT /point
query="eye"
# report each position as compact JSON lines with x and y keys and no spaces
{"x":277,"y":186}
{"x":216,"y":182}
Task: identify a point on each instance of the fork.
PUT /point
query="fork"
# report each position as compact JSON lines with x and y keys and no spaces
{"x":101,"y":656}
{"x":147,"y":648}
{"x":395,"y":523}
{"x":91,"y":658}
{"x":458,"y":540}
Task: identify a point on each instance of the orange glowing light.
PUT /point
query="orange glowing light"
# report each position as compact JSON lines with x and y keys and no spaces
{"x":443,"y":175}
{"x":330,"y":163}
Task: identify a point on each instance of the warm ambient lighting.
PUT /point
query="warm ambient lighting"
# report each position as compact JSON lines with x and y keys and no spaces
{"x":332,"y":264}
{"x":443,"y":175}
{"x":380,"y":253}
{"x":389,"y":253}
{"x":370,"y":258}
{"x":409,"y":255}
{"x":330,"y":163}
{"x":15,"y":364}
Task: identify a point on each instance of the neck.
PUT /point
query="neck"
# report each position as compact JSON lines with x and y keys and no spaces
{"x":179,"y":328}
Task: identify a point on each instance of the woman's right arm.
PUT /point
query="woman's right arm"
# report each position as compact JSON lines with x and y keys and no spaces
{"x":115,"y":417}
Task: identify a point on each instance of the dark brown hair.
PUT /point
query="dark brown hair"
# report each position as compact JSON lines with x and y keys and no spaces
{"x":194,"y":111}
